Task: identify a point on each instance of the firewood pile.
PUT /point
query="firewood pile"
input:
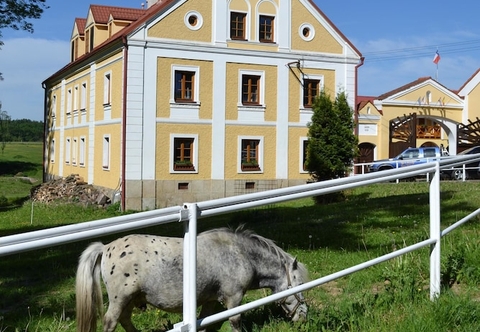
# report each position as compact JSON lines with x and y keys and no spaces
{"x":72,"y":189}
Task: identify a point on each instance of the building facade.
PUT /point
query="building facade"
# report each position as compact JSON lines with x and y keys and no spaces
{"x":420,"y":113}
{"x":193,"y":100}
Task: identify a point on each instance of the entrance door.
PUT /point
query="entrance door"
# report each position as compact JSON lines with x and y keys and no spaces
{"x":365,"y":156}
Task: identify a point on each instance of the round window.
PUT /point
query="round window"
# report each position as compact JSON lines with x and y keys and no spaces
{"x":306,"y":31}
{"x":193,"y":20}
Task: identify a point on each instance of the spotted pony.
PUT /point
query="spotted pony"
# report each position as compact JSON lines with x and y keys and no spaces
{"x":141,"y":269}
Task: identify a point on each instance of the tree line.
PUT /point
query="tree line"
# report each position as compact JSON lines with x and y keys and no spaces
{"x":24,"y":130}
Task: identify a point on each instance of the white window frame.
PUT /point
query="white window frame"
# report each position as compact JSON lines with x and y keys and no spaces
{"x":75,"y":98}
{"x":247,"y":26}
{"x":67,"y":150}
{"x":198,"y":18}
{"x":69,"y":102}
{"x":260,"y":154}
{"x":74,"y":151}
{"x":83,"y":97}
{"x":81,"y":157}
{"x":275,"y":28}
{"x":310,"y":77}
{"x":52,"y":151}
{"x":172,"y":152}
{"x":107,"y":88}
{"x":311,"y":30}
{"x":196,"y":85}
{"x":106,"y":152}
{"x":261,"y":102}
{"x":54,"y":106}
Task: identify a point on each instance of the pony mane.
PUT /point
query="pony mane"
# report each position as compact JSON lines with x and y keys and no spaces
{"x":264,"y":243}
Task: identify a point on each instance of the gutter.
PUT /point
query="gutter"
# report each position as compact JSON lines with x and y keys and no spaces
{"x":362,"y":61}
{"x":45,"y":132}
{"x":124,"y":121}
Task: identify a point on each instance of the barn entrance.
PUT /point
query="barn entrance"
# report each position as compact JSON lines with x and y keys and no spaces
{"x":468,"y":135}
{"x":403,"y":134}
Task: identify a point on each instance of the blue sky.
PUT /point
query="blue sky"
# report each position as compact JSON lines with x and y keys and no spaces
{"x":398,"y":42}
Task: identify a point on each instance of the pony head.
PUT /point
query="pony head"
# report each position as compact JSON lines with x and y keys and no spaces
{"x":294,"y":305}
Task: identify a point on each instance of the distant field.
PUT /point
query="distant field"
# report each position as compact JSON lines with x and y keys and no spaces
{"x":20,"y":169}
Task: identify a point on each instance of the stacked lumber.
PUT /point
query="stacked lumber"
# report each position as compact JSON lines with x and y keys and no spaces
{"x":72,"y":189}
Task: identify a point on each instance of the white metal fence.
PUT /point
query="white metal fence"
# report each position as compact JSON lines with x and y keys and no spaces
{"x":189,"y":213}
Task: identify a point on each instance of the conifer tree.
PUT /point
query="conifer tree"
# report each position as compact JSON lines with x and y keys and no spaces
{"x":332,"y":144}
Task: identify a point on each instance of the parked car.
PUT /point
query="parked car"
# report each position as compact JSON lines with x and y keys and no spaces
{"x":411,"y":156}
{"x":471,"y":169}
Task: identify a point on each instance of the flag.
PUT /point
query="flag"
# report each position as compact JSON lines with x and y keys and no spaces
{"x":436,"y":58}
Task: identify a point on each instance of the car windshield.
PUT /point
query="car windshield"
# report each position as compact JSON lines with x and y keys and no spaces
{"x":411,"y":153}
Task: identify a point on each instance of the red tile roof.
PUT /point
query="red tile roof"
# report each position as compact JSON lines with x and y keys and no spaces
{"x":101,"y":14}
{"x":403,"y":88}
{"x":80,"y":22}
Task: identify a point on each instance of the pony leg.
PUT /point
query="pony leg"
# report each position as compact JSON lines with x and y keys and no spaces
{"x":235,"y":321}
{"x":115,"y":314}
{"x":125,"y":318}
{"x":208,"y":309}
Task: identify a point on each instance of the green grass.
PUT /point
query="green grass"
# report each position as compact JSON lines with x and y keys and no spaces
{"x":20,"y":169}
{"x":37,"y":288}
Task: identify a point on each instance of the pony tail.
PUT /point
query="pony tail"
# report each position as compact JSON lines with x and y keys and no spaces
{"x":88,"y":289}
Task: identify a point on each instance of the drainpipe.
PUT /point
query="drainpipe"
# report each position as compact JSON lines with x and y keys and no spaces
{"x":45,"y":118}
{"x":362,"y":61}
{"x":355,"y":112}
{"x":124,"y":121}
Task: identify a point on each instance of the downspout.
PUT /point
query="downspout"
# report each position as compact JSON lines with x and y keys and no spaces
{"x":45,"y":137}
{"x":362,"y":61}
{"x":355,"y":111}
{"x":124,"y":120}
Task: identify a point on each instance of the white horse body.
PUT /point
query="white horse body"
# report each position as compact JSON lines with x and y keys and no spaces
{"x":141,"y":269}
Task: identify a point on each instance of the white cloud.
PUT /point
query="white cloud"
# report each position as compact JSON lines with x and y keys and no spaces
{"x":25,"y":63}
{"x":392,"y":63}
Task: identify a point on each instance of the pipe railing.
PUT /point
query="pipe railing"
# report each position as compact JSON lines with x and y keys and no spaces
{"x":190,"y":213}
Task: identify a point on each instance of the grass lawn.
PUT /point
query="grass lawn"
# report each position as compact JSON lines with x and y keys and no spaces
{"x":20,"y":168}
{"x":37,"y":287}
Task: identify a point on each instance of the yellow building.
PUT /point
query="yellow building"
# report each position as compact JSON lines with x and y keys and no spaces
{"x":420,"y":113}
{"x":193,"y":100}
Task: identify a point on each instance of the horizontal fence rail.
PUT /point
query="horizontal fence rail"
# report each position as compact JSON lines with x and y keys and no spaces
{"x":190,"y":213}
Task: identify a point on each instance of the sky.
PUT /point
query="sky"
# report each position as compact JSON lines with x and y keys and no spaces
{"x":398,"y":42}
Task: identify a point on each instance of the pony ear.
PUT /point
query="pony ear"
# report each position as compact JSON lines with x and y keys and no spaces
{"x":295,"y":264}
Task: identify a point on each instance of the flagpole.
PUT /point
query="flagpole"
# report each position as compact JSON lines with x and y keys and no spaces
{"x":436,"y":60}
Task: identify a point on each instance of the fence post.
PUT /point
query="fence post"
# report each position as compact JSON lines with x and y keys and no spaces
{"x":435,"y":233}
{"x":189,"y":322}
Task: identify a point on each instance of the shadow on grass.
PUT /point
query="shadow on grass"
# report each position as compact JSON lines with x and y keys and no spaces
{"x":25,"y":278}
{"x":8,"y":167}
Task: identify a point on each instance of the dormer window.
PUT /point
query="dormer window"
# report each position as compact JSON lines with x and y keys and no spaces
{"x":89,"y":42}
{"x":92,"y":36}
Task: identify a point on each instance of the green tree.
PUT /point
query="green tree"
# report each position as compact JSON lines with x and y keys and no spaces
{"x":4,"y":133}
{"x":25,"y":130}
{"x":332,"y":144}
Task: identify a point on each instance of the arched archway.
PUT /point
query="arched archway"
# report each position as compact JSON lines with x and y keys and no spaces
{"x":366,"y":155}
{"x":406,"y":130}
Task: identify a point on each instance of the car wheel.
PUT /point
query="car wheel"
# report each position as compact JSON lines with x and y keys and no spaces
{"x":458,"y":175}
